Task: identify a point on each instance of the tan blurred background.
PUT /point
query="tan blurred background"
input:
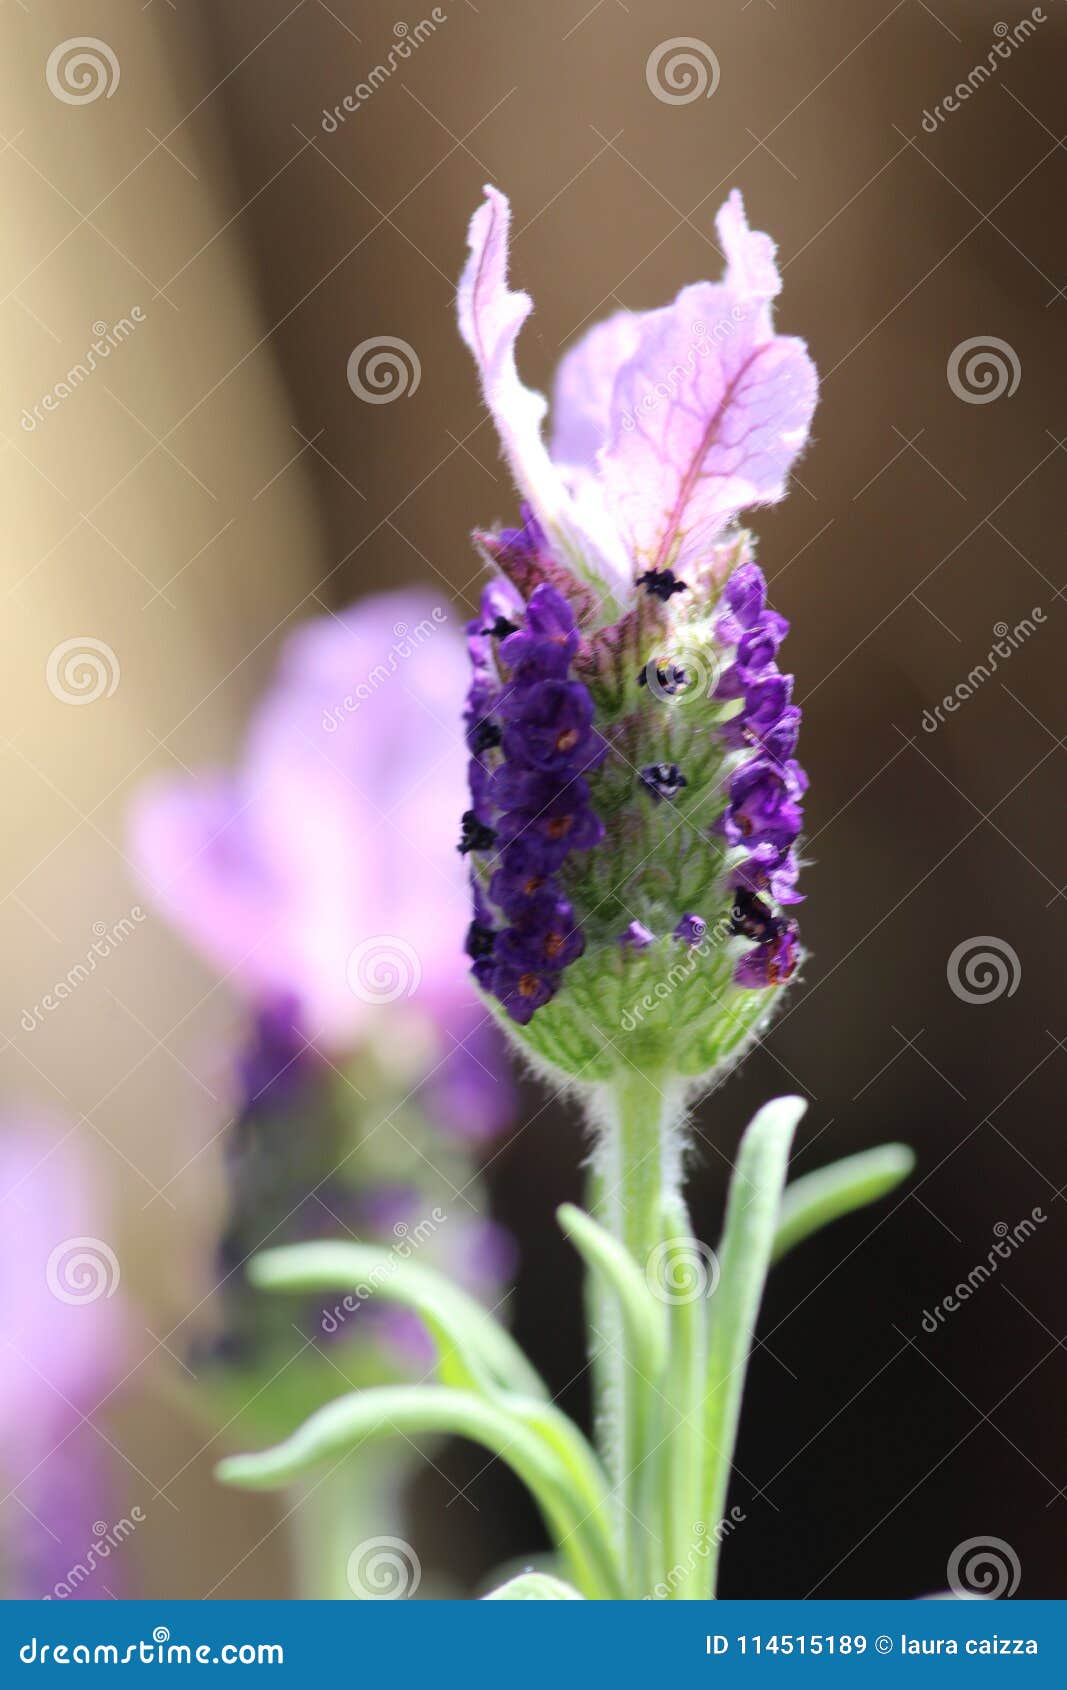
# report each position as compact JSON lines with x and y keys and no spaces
{"x":217,"y":480}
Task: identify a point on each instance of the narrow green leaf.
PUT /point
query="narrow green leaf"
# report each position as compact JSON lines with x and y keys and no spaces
{"x":644,"y":1319}
{"x":829,"y":1193}
{"x":474,"y":1351}
{"x":414,"y":1410}
{"x":535,"y":1587}
{"x":683,"y":1448}
{"x":744,"y":1257}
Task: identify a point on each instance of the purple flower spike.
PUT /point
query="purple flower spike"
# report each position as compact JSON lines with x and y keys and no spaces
{"x":642,"y":628}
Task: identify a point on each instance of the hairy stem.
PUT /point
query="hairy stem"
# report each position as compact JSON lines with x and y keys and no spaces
{"x":637,"y":1164}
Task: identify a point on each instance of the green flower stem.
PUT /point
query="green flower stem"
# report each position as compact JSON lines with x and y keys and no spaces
{"x":637,"y":1163}
{"x":333,"y":1513}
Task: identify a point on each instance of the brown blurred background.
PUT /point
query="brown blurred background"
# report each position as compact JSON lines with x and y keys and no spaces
{"x":219,"y":481}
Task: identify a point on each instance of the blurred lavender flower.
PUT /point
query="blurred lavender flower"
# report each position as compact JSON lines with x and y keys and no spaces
{"x":62,"y":1338}
{"x":632,"y":775}
{"x":320,"y":879}
{"x":320,"y":874}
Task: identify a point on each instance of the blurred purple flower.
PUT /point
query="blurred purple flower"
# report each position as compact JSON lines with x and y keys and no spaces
{"x":62,"y":1339}
{"x":322,"y":873}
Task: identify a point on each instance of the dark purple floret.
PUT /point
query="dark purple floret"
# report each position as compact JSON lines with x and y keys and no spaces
{"x":522,"y":991}
{"x":549,"y":727}
{"x":763,"y":813}
{"x":771,"y":963}
{"x":637,"y":937}
{"x":528,"y":791}
{"x":663,"y":780}
{"x":476,"y":835}
{"x":670,"y":678}
{"x":662,"y":583}
{"x":691,"y":929}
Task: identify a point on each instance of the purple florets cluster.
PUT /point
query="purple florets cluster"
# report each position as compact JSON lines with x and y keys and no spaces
{"x":764,"y":812}
{"x":531,"y":738}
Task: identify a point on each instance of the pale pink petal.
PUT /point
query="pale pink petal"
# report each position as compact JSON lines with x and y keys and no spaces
{"x":581,"y":396}
{"x":710,"y":413}
{"x":490,"y":317}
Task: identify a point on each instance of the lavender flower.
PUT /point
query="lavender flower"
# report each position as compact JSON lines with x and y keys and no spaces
{"x":64,"y":1337}
{"x":631,"y":735}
